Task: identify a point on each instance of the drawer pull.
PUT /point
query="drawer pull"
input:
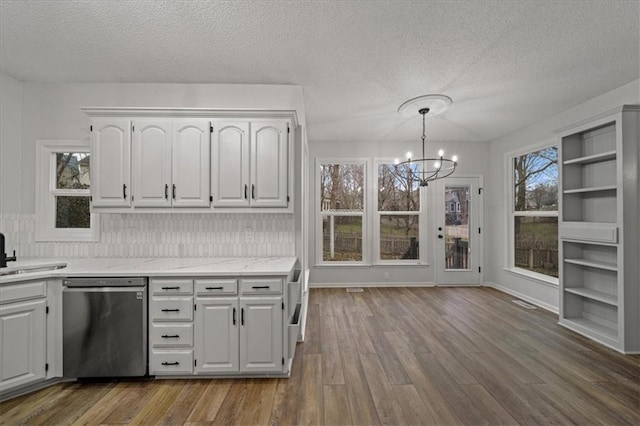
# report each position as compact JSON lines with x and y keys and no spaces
{"x":170,"y":336}
{"x":171,"y":310}
{"x":241,"y":316}
{"x":214,"y":288}
{"x":171,"y":363}
{"x":258,"y":287}
{"x":171,"y":288}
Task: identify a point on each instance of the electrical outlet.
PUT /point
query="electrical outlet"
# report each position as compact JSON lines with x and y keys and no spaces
{"x":386,"y":276}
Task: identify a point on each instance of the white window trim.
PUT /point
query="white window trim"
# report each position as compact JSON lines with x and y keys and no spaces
{"x":422,"y":221}
{"x":366,"y":255}
{"x":511,"y":213}
{"x":46,"y":192}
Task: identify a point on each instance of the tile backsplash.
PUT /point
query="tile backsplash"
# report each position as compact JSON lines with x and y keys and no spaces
{"x":162,"y":235}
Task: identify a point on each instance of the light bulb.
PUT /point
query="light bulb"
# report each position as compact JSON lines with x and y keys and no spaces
{"x":436,"y":164}
{"x":409,"y":154}
{"x":454,"y":158}
{"x":396,"y":161}
{"x":440,"y":153}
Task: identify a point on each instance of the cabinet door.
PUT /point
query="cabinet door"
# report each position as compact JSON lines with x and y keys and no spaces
{"x":261,"y":334}
{"x":216,"y":328}
{"x":151,"y":163}
{"x":190,"y":170}
{"x":230,"y":164}
{"x":269,"y":166}
{"x":110,"y":162}
{"x":22,"y":343}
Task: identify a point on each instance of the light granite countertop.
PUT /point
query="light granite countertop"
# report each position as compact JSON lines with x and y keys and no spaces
{"x":148,"y":267}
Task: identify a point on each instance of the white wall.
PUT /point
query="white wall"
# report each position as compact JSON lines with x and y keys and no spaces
{"x":495,"y":198}
{"x":10,"y":143}
{"x":53,"y":111}
{"x":473,"y":161}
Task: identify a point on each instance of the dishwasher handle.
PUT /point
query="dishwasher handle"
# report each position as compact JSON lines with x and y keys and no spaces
{"x":104,"y":289}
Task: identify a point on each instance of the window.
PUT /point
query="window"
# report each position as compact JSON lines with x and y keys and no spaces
{"x":397,"y":221}
{"x":534,"y":195}
{"x":342,"y":211}
{"x":63,"y":200}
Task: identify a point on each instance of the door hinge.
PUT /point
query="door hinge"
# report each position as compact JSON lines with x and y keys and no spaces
{"x":211,"y":198}
{"x":90,"y":198}
{"x":133,"y":127}
{"x":282,"y":360}
{"x":46,"y":367}
{"x":479,"y":269}
{"x":91,"y":128}
{"x":47,"y":310}
{"x":283,"y":306}
{"x":288,"y":199}
{"x":211,"y":129}
{"x":195,"y":307}
{"x":195,"y":362}
{"x":480,"y":191}
{"x":288,"y":129}
{"x":133,"y":198}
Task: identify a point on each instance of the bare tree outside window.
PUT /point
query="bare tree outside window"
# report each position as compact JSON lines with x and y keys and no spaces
{"x":535,"y":211}
{"x":72,"y":184}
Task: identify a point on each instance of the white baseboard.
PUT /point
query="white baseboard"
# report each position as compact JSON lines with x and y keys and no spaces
{"x":524,"y":297}
{"x":370,"y":284}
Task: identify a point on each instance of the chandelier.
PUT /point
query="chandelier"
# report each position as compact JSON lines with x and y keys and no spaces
{"x":423,"y":170}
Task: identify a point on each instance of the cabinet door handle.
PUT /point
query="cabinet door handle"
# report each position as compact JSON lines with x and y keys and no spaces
{"x":173,"y":191}
{"x":171,"y":363}
{"x":245,"y":191}
{"x":124,"y":191}
{"x":171,"y":310}
{"x":258,"y":287}
{"x":166,"y":191}
{"x":170,"y":336}
{"x":253,"y":191}
{"x":214,"y":288}
{"x":241,"y":316}
{"x":234,"y":316}
{"x":171,"y":288}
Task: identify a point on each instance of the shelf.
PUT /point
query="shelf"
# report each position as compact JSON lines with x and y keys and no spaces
{"x":595,"y":158}
{"x":585,"y":326}
{"x":609,"y":266}
{"x":591,"y":189}
{"x":593,"y":294}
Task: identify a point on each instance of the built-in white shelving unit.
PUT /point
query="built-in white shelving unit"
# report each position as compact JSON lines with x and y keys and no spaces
{"x":599,"y":231}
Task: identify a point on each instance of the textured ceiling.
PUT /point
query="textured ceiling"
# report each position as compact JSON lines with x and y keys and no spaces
{"x":505,"y":64}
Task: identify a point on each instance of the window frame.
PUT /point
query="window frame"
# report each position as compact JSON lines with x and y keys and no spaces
{"x":46,"y":193}
{"x":366,"y":255}
{"x":376,"y":214}
{"x":512,"y":213}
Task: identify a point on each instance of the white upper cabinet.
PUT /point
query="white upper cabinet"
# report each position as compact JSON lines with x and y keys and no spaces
{"x":191,"y":144}
{"x":269,"y":168}
{"x":249,"y":163}
{"x":110,"y":162}
{"x":171,"y":163}
{"x":152,"y":163}
{"x":230,"y":164}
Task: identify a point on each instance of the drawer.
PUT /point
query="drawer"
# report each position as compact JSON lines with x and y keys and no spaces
{"x":171,"y":335}
{"x":294,"y":330}
{"x":171,"y":362}
{"x":261,"y":286}
{"x":589,"y":231}
{"x":216,"y":287}
{"x":22,"y":291}
{"x":171,"y":286}
{"x":171,"y":308}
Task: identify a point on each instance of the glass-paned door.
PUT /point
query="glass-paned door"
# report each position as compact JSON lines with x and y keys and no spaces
{"x":458,"y":231}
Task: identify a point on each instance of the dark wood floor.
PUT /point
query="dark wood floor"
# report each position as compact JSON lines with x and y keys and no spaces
{"x":391,"y":356}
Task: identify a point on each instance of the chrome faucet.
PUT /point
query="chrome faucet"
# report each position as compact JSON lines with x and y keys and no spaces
{"x":3,"y":256}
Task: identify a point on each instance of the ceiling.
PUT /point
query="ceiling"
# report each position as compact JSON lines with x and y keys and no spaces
{"x":505,"y":64}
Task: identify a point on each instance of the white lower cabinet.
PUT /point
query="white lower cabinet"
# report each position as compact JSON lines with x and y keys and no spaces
{"x":217,"y":347}
{"x":23,"y":340}
{"x":261,"y":347}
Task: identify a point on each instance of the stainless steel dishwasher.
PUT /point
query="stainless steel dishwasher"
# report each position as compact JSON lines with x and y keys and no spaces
{"x":104,"y":327}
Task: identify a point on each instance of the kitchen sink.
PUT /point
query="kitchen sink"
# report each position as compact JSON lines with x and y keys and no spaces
{"x":32,"y":269}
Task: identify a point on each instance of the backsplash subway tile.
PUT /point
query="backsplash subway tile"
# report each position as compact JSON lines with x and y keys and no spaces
{"x":163,"y":235}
